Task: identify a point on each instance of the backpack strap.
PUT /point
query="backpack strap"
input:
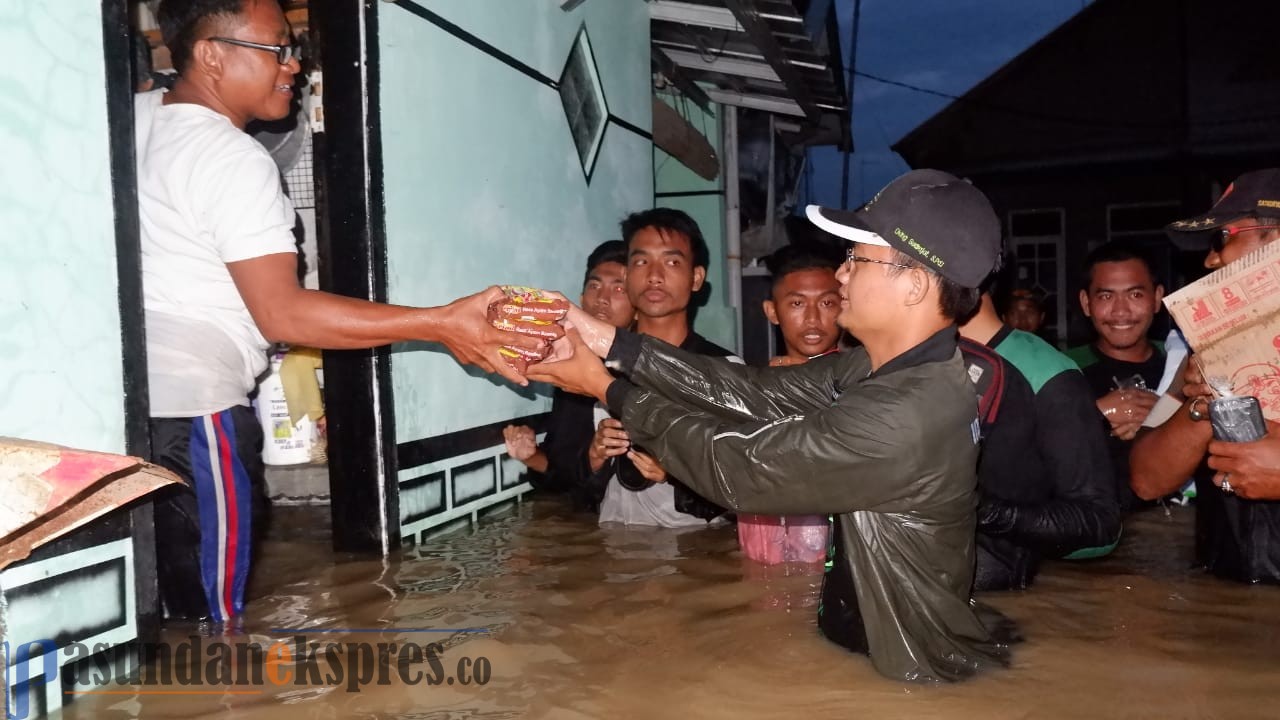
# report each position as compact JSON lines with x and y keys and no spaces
{"x":987,"y":372}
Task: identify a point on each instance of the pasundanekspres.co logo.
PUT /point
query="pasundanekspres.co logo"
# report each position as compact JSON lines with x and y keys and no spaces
{"x":210,"y":666}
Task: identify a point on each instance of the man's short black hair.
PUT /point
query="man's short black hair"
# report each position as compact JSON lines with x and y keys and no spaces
{"x":671,"y":220}
{"x":795,"y":257}
{"x":181,"y":20}
{"x":955,"y":302}
{"x":608,"y":251}
{"x":1116,"y":251}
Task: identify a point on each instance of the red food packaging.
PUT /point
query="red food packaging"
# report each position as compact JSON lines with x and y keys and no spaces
{"x":519,"y":358}
{"x":524,"y":325}
{"x":530,"y":304}
{"x":528,"y":311}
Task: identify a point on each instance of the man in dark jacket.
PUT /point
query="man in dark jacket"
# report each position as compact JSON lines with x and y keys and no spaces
{"x":1045,"y":478}
{"x":885,"y":436}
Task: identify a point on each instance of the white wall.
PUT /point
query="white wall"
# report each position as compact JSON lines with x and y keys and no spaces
{"x":60,"y":351}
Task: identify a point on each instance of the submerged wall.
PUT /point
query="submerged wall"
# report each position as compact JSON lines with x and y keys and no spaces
{"x":61,"y":377}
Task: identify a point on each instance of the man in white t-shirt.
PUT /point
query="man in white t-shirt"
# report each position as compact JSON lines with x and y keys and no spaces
{"x":219,"y":282}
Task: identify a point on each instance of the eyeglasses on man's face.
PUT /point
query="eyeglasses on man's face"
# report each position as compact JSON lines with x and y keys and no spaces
{"x":851,"y":258}
{"x":1220,"y":239}
{"x":284,"y":53}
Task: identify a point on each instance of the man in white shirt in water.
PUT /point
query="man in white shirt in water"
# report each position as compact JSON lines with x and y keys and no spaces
{"x":219,"y":282}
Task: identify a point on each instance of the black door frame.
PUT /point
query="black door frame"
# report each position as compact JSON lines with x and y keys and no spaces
{"x":351,"y":242}
{"x":117,"y":51}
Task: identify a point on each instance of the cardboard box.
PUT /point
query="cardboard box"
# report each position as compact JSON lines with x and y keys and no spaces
{"x":1231,"y":318}
{"x":46,"y":491}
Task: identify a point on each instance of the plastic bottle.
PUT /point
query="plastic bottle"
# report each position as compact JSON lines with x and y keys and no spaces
{"x":284,"y":442}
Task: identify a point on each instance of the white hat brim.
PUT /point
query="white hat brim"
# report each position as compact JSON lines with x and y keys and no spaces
{"x":852,"y":234}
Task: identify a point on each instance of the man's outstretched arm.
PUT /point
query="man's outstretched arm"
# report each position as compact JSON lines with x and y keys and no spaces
{"x":710,"y":384}
{"x":286,"y":312}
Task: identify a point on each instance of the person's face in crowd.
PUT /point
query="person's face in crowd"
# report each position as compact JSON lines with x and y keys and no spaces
{"x":1121,"y":301}
{"x":1240,"y":238}
{"x":605,"y":294}
{"x":1024,"y":314}
{"x":868,"y":291}
{"x":804,"y":306}
{"x":253,"y":83}
{"x":661,"y":276}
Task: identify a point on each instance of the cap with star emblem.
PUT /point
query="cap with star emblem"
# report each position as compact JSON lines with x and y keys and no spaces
{"x":1253,"y":194}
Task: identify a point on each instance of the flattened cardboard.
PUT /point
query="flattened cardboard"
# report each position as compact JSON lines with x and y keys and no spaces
{"x":1231,"y":318}
{"x":46,"y":491}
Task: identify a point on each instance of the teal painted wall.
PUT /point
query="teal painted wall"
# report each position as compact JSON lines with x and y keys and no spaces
{"x":61,"y":377}
{"x":715,"y":320}
{"x":482,"y":181}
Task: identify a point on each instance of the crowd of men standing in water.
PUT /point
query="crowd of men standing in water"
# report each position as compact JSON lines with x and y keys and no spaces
{"x":937,"y":408}
{"x":1071,"y":442}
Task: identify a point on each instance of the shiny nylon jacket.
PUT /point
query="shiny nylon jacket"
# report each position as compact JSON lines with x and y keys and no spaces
{"x":892,"y":454}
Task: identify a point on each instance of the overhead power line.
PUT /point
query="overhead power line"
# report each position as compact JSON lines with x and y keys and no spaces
{"x":1065,"y":120}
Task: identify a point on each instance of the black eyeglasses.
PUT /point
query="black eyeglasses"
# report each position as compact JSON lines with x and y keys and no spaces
{"x":284,"y":53}
{"x":850,"y":257}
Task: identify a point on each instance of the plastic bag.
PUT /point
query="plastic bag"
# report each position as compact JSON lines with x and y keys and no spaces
{"x":773,"y":539}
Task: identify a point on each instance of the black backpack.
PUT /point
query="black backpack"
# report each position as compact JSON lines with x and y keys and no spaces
{"x":987,"y":372}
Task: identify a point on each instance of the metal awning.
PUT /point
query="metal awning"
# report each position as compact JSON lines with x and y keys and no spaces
{"x":779,"y":56}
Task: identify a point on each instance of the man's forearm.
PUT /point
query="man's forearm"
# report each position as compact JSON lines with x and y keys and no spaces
{"x":731,"y":392}
{"x":537,"y":462}
{"x":335,"y":322}
{"x":597,"y":334}
{"x":1163,"y":458}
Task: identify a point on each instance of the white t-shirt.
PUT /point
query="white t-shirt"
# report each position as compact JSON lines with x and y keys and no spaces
{"x":208,"y":195}
{"x":654,"y":505}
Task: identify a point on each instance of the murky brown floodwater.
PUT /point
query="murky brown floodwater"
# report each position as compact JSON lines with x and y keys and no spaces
{"x":585,"y":622}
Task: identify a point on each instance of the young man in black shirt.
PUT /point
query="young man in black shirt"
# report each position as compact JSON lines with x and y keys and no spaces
{"x":804,"y":302}
{"x":1121,"y":297}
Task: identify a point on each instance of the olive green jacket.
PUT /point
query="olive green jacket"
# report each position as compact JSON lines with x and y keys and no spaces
{"x":892,"y":454}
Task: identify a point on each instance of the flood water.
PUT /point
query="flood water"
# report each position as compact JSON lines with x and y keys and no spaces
{"x":578,"y":621}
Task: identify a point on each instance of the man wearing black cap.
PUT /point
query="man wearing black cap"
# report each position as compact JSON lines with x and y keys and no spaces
{"x":1236,"y":538}
{"x":883,"y":437}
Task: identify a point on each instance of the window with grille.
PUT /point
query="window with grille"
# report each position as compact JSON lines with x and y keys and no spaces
{"x":1037,"y":242}
{"x":300,"y":181}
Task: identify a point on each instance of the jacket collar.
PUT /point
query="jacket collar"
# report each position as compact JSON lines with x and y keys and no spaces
{"x":938,"y":347}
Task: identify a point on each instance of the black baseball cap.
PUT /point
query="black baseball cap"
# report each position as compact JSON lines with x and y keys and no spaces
{"x":1255,"y":193}
{"x":944,"y":222}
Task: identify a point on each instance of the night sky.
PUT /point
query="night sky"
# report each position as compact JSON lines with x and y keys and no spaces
{"x":942,"y":45}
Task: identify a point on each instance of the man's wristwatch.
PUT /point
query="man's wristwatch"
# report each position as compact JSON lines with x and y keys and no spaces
{"x":1194,"y":410}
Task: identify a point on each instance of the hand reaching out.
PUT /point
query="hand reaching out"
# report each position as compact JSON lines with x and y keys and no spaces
{"x":609,"y":441}
{"x":573,"y":368}
{"x":521,"y":441}
{"x":467,"y":335}
{"x":1125,"y":409}
{"x":648,"y":466}
{"x":1252,"y":467}
{"x":1194,"y":384}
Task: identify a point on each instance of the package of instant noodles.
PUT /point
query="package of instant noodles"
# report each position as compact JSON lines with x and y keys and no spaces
{"x":528,"y":311}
